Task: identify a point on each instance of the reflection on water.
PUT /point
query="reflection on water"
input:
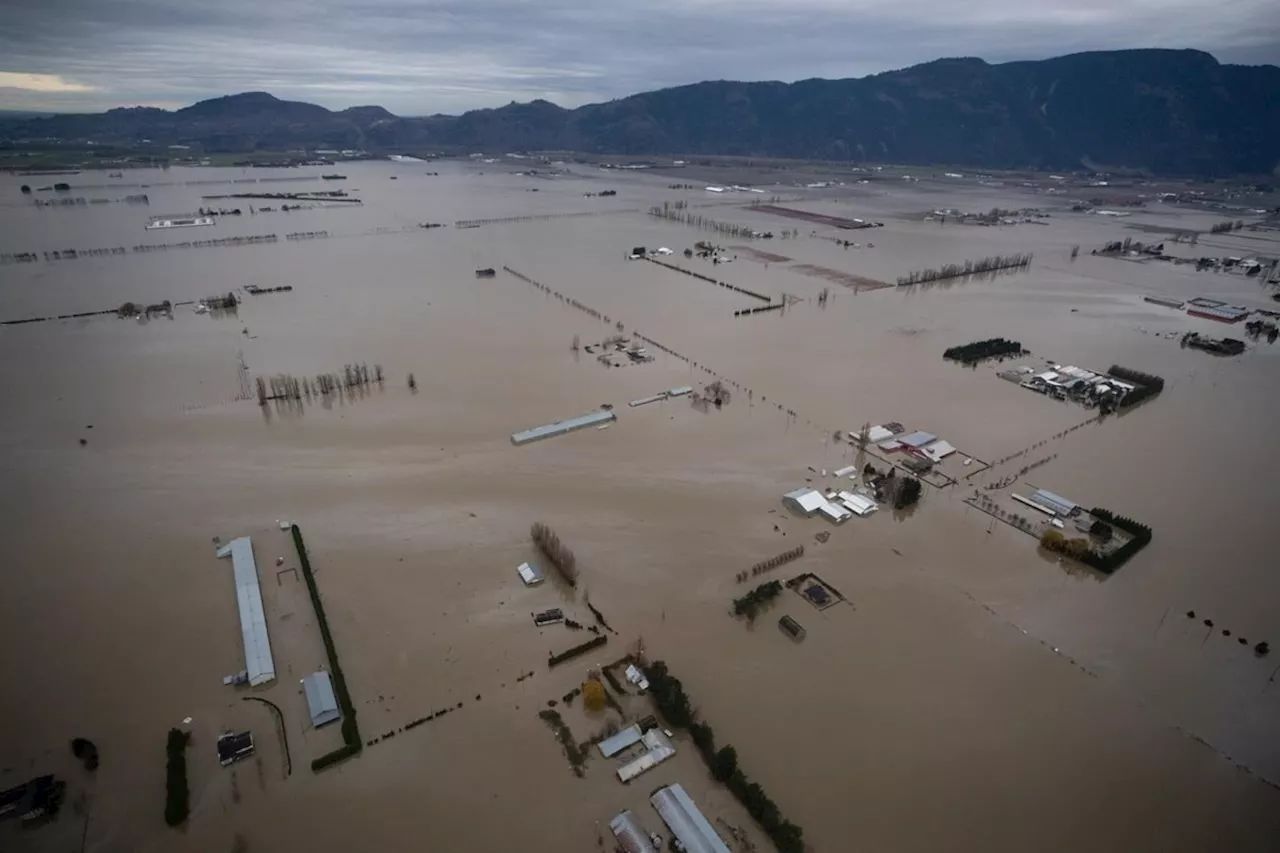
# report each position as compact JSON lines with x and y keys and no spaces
{"x":973,"y":682}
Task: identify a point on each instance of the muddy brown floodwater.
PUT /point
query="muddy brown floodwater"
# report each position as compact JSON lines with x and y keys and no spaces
{"x":972,"y":694}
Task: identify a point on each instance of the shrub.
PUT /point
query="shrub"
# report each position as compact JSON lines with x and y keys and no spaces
{"x":85,"y":750}
{"x":750,"y":603}
{"x":593,"y":695}
{"x":908,"y":494}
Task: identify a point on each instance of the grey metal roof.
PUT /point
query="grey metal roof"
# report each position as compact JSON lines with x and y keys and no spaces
{"x":253,"y":619}
{"x":1056,"y":502}
{"x":918,"y":439}
{"x":322,"y":704}
{"x":685,"y":821}
{"x":632,"y":837}
{"x":561,"y":427}
{"x":611,"y":746}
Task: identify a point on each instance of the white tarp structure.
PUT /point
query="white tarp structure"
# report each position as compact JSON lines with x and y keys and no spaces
{"x":685,"y":821}
{"x":253,"y":619}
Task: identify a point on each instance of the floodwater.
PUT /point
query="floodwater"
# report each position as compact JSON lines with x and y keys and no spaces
{"x":972,"y":695}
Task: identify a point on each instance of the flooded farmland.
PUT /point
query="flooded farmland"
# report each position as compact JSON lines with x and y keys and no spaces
{"x":972,"y":693}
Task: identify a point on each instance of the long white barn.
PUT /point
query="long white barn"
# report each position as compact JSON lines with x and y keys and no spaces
{"x":253,"y":619}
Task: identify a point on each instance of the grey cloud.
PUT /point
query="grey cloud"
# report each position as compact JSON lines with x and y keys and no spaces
{"x":417,"y":57}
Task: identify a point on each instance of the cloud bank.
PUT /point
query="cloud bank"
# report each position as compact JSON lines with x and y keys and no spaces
{"x":418,"y":57}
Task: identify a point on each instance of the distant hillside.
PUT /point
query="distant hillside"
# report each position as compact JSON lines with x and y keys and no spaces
{"x":1162,"y":111}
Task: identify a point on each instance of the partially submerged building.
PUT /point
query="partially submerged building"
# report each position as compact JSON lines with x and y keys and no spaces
{"x":859,"y":505}
{"x":658,"y":748}
{"x":33,"y":799}
{"x":253,"y":618}
{"x":636,"y":677}
{"x":792,"y":628}
{"x":611,"y":746}
{"x":917,"y":439}
{"x":233,"y":747}
{"x":530,"y":574}
{"x":834,"y":513}
{"x":597,"y":418}
{"x":804,"y":501}
{"x":322,"y":704}
{"x":631,"y":836}
{"x":685,"y":821}
{"x":1056,"y":504}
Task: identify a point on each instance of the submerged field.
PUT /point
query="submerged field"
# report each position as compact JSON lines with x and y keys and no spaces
{"x":972,"y":692}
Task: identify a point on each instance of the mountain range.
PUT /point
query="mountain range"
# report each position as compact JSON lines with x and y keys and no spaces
{"x":1157,"y":111}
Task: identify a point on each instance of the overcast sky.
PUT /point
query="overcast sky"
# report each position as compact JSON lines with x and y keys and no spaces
{"x":417,"y":57}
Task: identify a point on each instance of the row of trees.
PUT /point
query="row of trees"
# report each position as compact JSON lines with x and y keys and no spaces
{"x":773,"y":562}
{"x":697,"y":220}
{"x":580,"y":649}
{"x":1140,"y":537}
{"x":1148,"y":384}
{"x":982,"y":265}
{"x":284,"y":386}
{"x":749,"y":605}
{"x":556,"y":552}
{"x":668,"y":693}
{"x":352,"y":744}
{"x":1226,"y":225}
{"x":972,"y":353}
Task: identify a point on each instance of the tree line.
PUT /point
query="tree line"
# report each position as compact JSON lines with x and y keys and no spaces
{"x":668,"y":694}
{"x":972,"y":353}
{"x":982,"y":265}
{"x":1148,"y":384}
{"x":749,"y":605}
{"x":352,"y":744}
{"x":556,"y":552}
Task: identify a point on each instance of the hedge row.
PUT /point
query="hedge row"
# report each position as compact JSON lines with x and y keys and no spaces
{"x":750,"y":604}
{"x":977,"y":351}
{"x":668,"y":694}
{"x":177,"y":804}
{"x":581,"y":649}
{"x":1110,"y":562}
{"x":1148,"y":384}
{"x":350,"y":731}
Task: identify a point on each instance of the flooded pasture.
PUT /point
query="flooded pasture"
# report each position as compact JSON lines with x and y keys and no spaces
{"x":973,"y":693}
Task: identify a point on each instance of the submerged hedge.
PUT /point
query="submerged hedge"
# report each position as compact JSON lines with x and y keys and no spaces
{"x":350,"y":731}
{"x":177,"y":804}
{"x":1141,"y":538}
